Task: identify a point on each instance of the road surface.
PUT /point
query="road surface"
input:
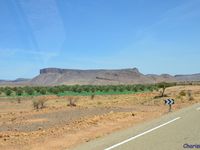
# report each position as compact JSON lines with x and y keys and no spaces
{"x":174,"y":131}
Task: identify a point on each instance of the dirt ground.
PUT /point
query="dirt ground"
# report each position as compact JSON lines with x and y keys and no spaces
{"x":58,"y":126}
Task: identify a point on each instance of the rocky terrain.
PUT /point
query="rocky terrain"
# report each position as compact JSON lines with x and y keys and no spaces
{"x":56,"y":76}
{"x":53,"y":76}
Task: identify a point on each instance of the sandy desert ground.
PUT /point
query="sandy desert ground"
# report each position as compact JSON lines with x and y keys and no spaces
{"x":59,"y":126}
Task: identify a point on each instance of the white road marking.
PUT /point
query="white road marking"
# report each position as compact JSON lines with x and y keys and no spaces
{"x":198,"y":108}
{"x":141,"y":134}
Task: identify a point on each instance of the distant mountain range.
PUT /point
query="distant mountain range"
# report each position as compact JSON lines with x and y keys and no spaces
{"x":17,"y":81}
{"x":56,"y":76}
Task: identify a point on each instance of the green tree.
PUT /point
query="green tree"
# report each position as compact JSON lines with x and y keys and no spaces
{"x":37,"y":89}
{"x":43,"y":91}
{"x":135,"y":88}
{"x":121,"y":89}
{"x":163,"y":86}
{"x":86,"y":89}
{"x":128,"y":88}
{"x":141,"y":87}
{"x":1,"y":90}
{"x":106,"y":89}
{"x":80,"y":89}
{"x":55,"y":90}
{"x":15,"y":89}
{"x":93,"y":90}
{"x":19,"y":92}
{"x":61,"y":89}
{"x":150,"y":88}
{"x":8,"y":92}
{"x":114,"y":88}
{"x":29,"y":90}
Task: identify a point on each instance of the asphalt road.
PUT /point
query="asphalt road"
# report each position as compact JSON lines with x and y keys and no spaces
{"x":174,"y":131}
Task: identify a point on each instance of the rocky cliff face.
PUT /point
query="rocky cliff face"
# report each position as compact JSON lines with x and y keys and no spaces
{"x":62,"y":71}
{"x":56,"y":76}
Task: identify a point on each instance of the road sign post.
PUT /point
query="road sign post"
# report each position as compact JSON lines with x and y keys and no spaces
{"x":170,"y":108}
{"x":169,"y":102}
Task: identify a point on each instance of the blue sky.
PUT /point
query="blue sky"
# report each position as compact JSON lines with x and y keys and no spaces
{"x":155,"y":36}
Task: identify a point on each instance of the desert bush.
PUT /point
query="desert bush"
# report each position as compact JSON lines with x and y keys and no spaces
{"x":182,"y":93}
{"x":42,"y":102}
{"x":190,"y":97}
{"x":99,"y":103}
{"x":36,"y":104}
{"x":39,"y":103}
{"x":19,"y":100}
{"x":72,"y":101}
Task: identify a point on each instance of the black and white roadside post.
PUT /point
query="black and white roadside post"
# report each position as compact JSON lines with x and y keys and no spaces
{"x":169,"y":102}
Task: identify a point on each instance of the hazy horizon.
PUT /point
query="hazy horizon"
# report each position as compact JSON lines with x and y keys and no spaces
{"x":154,"y":36}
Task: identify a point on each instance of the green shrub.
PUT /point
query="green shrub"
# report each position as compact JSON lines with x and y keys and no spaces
{"x":8,"y":92}
{"x":19,"y":92}
{"x":55,"y":90}
{"x":43,"y":91}
{"x":29,"y":90}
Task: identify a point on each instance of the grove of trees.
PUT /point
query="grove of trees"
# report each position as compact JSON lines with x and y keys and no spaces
{"x":90,"y":89}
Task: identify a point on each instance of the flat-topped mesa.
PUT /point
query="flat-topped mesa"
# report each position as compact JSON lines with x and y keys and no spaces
{"x":61,"y":71}
{"x":57,"y":76}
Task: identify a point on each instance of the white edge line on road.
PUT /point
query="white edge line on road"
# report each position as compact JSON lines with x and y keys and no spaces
{"x":141,"y":134}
